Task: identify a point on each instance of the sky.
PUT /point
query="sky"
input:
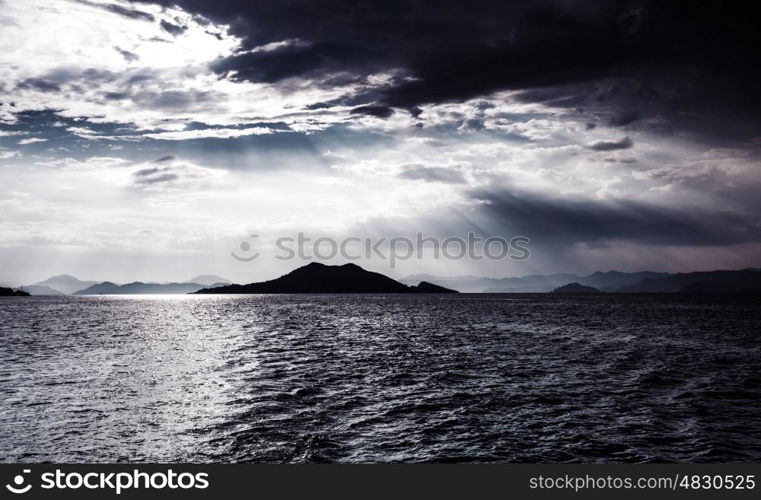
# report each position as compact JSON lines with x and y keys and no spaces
{"x":149,"y":140}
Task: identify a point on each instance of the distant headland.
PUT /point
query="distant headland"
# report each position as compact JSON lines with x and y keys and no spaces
{"x":575,"y":288}
{"x":321,"y":278}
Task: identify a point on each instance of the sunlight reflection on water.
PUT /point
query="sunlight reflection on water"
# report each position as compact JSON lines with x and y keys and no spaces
{"x":380,"y":378}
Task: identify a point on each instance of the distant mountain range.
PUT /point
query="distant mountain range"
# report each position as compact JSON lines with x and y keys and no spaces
{"x":40,"y":290}
{"x":744,"y":280}
{"x":318,"y":278}
{"x":321,"y":278}
{"x":65,"y":284}
{"x":209,"y":280}
{"x":137,"y":288}
{"x":536,"y":283}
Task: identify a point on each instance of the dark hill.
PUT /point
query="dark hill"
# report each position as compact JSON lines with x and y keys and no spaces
{"x":425,"y":287}
{"x":575,"y":288}
{"x":320,"y":278}
{"x":9,"y":292}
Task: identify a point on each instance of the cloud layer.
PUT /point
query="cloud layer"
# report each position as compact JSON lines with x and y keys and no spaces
{"x":595,"y":129}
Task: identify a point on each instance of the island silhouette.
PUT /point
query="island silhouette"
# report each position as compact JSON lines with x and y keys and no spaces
{"x":321,"y":278}
{"x":575,"y":288}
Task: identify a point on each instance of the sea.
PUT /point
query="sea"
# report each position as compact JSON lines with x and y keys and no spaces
{"x":381,"y":378}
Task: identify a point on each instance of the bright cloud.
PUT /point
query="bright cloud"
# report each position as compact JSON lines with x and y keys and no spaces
{"x":121,"y":133}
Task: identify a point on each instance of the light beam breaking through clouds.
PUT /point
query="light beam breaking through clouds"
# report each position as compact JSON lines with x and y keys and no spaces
{"x":142,"y":140}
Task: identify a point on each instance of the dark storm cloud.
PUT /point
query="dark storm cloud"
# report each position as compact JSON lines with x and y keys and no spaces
{"x":172,"y":29}
{"x":167,"y":99}
{"x":147,"y":172}
{"x":163,"y":171}
{"x":122,"y":11}
{"x":684,"y":54}
{"x":172,"y":99}
{"x":379,"y":111}
{"x":115,"y":96}
{"x":320,"y":62}
{"x":624,"y":143}
{"x":39,"y":84}
{"x":53,"y":81}
{"x":151,"y":176}
{"x":567,"y":221}
{"x":127,"y":55}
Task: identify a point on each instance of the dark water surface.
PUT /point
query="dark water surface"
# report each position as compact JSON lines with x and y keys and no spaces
{"x":358,"y":378}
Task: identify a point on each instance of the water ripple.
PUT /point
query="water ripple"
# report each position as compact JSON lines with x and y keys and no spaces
{"x":345,"y":378}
